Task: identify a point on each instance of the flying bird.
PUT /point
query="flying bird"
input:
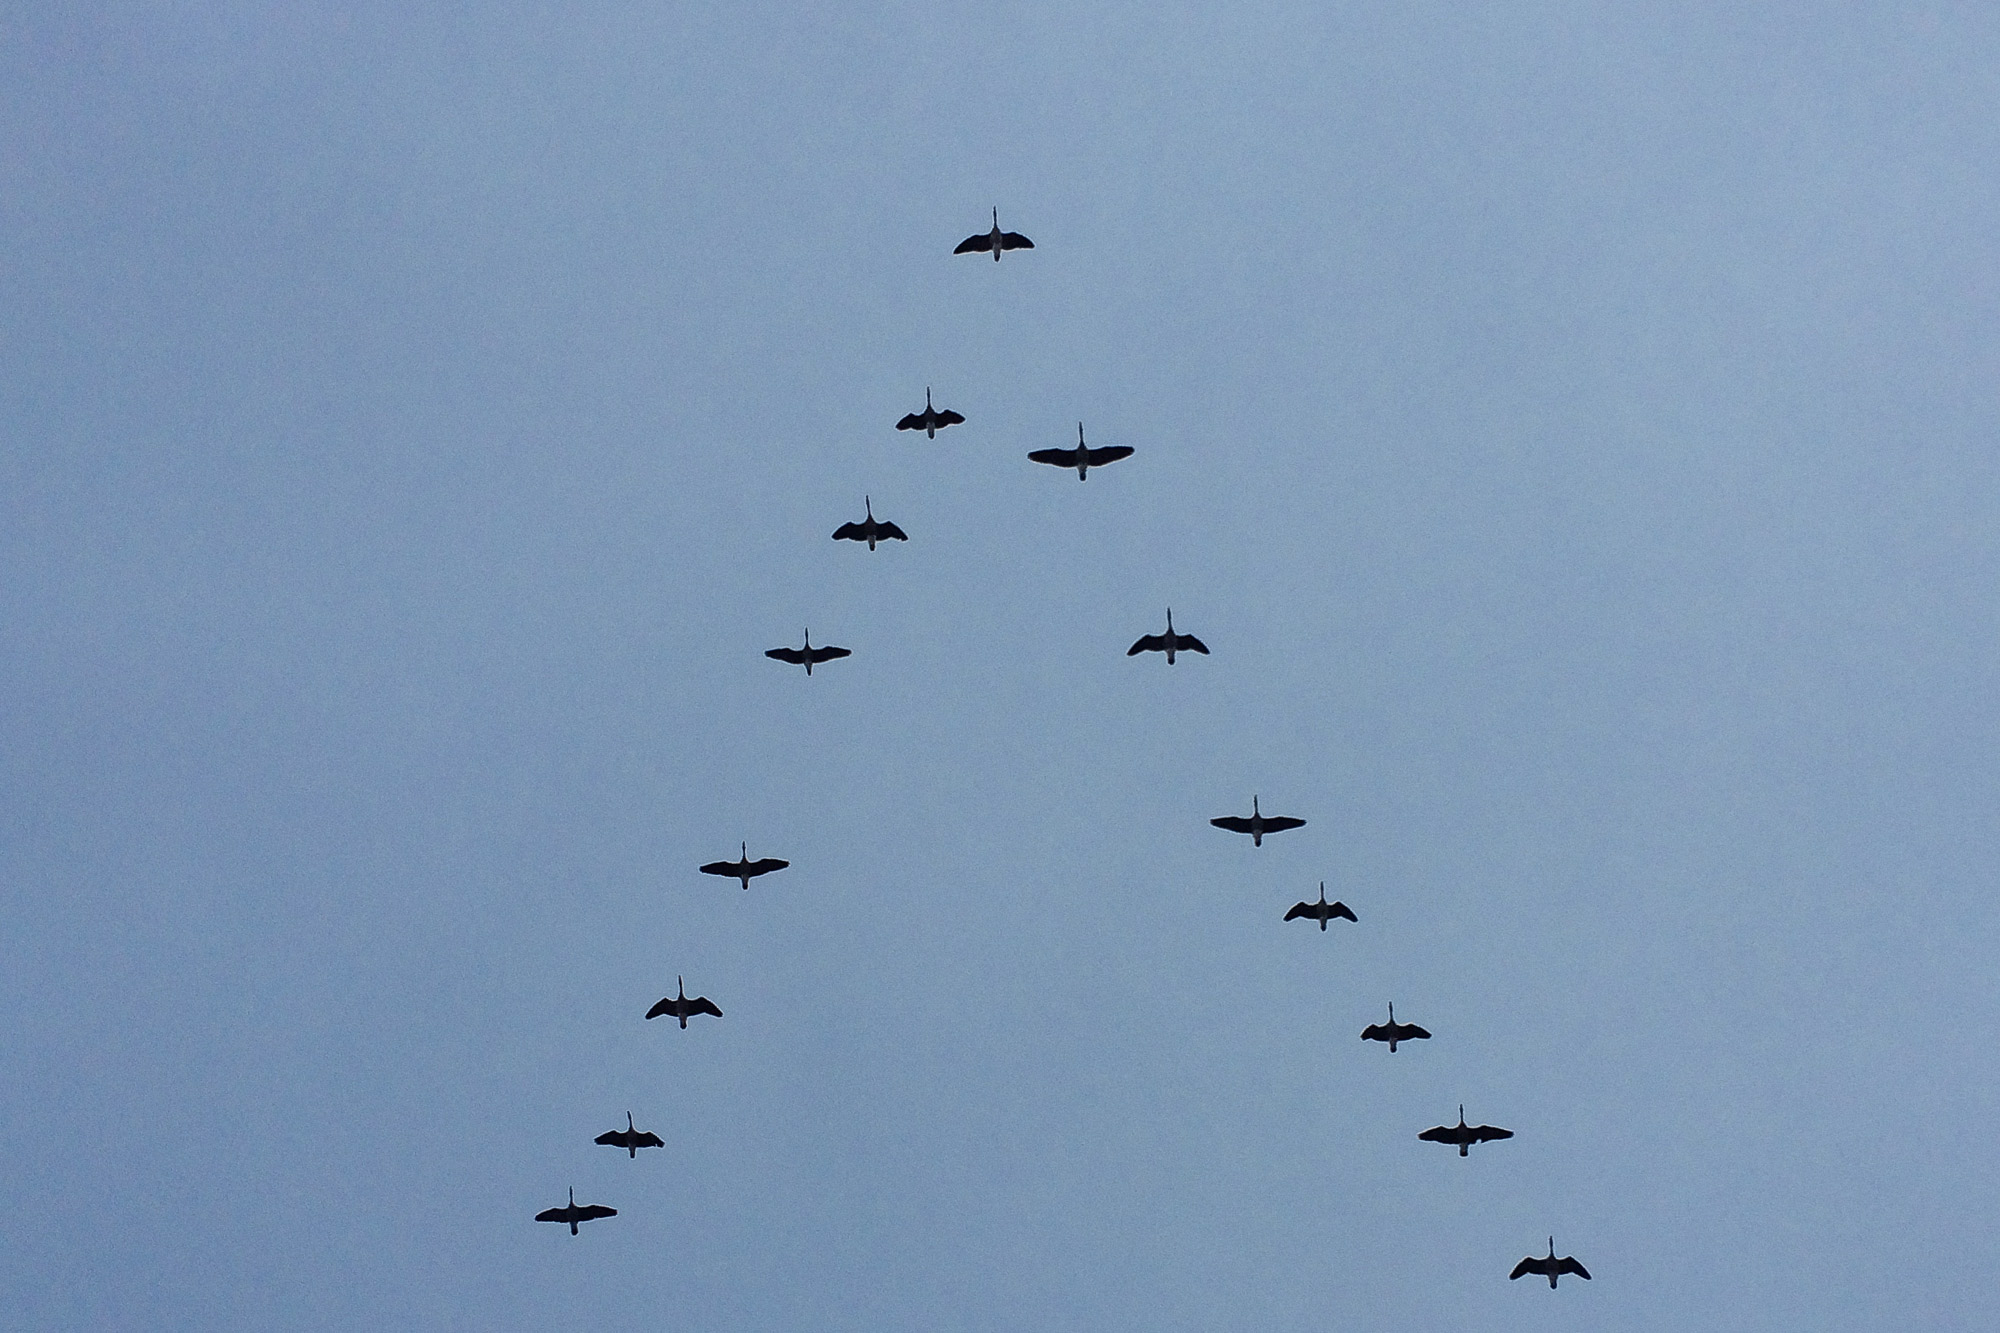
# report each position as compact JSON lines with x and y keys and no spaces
{"x":1465,"y":1136}
{"x":808,"y":655}
{"x":575,"y":1212}
{"x":681,"y":1007}
{"x":746,"y":869}
{"x":1393,"y":1032}
{"x":629,"y":1138}
{"x":1322,"y":911}
{"x":1168,"y":643}
{"x":870,"y":530}
{"x":995,"y":240}
{"x":1258,"y":824}
{"x":930,"y":421}
{"x":1081,"y":458}
{"x":1550,"y":1268}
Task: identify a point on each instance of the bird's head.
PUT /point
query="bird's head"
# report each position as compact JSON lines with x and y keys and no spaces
{"x":629,"y":1126}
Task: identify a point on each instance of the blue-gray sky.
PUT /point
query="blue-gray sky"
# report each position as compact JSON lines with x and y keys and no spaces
{"x":1571,"y":426}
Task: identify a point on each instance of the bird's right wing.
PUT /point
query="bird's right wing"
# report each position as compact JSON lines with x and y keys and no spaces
{"x":727,"y":869}
{"x":850,"y":532}
{"x":912,"y":421}
{"x":1150,"y":643}
{"x":1343,"y":910}
{"x":1303,"y":909}
{"x":1234,"y":823}
{"x":1374,"y":1032}
{"x":973,"y":245}
{"x":550,"y":1215}
{"x":665,"y":1006}
{"x":1438,"y":1134}
{"x":611,"y":1138}
{"x":792,"y":655}
{"x":703,"y":1005}
{"x":1110,"y":453}
{"x":1054,"y":457}
{"x":1523,"y":1268}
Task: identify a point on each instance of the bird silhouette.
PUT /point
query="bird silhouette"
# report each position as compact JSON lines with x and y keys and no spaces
{"x":1322,"y":911}
{"x":746,"y":869}
{"x":870,"y":530}
{"x":930,"y":421}
{"x":629,"y":1138}
{"x":807,"y":656}
{"x":575,"y":1212}
{"x":1393,"y":1032}
{"x":1464,"y":1135}
{"x":1550,"y":1268}
{"x":1258,"y":824}
{"x":996,"y":240}
{"x":681,"y":1007}
{"x":1168,"y":643}
{"x":1081,"y":458}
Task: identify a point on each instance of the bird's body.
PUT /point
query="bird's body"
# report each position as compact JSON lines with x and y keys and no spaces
{"x":1258,"y":823}
{"x":575,"y":1212}
{"x":1464,"y":1135}
{"x":1393,"y":1032}
{"x":931,"y":420}
{"x":681,"y":1007}
{"x":870,"y":529}
{"x":631,"y":1139}
{"x":1168,"y":643}
{"x":995,"y":240}
{"x":807,"y":656}
{"x":745,"y":869}
{"x":1322,"y":911}
{"x":1550,"y":1268}
{"x":1081,"y":458}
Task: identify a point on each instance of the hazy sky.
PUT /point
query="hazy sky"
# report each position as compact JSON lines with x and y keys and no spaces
{"x":1570,"y":425}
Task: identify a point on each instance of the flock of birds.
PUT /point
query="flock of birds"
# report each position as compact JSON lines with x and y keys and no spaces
{"x":1256,"y":824}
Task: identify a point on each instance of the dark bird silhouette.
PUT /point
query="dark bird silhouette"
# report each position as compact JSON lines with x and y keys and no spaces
{"x":1550,"y":1268}
{"x":746,"y":869}
{"x":629,"y":1138}
{"x":1081,"y":458}
{"x":808,"y":655}
{"x":1258,"y":824}
{"x":681,"y":1007}
{"x":870,"y":530}
{"x":995,"y":240}
{"x":1168,"y":643}
{"x":1322,"y":911}
{"x":1393,"y":1032}
{"x":1465,"y":1135}
{"x":930,"y":421}
{"x":575,"y":1212}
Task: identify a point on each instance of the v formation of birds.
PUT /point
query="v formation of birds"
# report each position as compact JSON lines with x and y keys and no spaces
{"x":1172,"y":643}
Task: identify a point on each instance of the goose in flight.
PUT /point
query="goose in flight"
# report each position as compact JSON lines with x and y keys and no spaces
{"x":746,"y":869}
{"x":1393,"y":1032}
{"x":870,"y":530}
{"x":681,"y":1007}
{"x":1081,"y":458}
{"x":1322,"y":911}
{"x":1465,"y":1136}
{"x":575,"y":1212}
{"x":930,"y":421}
{"x":1550,"y":1268}
{"x":1258,"y":824}
{"x":629,"y":1138}
{"x":808,"y":655}
{"x":995,"y":240}
{"x":1168,"y":643}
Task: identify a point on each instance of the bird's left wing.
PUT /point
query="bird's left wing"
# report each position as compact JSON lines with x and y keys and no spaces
{"x":647,"y":1139}
{"x":947,"y":417}
{"x":766,"y":865}
{"x":1190,"y":644}
{"x":1411,"y":1032}
{"x":701,"y":1004}
{"x":1343,"y":910}
{"x":1488,"y":1133}
{"x":829,"y":654}
{"x":890,"y":532}
{"x":1014,"y":240}
{"x":1110,"y":453}
{"x":1279,"y":823}
{"x":592,"y":1211}
{"x":1572,"y":1266}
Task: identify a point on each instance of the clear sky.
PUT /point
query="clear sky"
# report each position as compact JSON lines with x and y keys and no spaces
{"x":1570,"y":425}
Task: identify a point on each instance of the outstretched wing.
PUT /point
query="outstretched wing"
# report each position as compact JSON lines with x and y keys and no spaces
{"x":1343,"y":910}
{"x":850,"y":532}
{"x":1014,"y":240}
{"x":973,"y":245}
{"x":647,"y":1139}
{"x":1190,"y":644}
{"x":1525,"y":1267}
{"x":1488,"y":1133}
{"x":947,"y":417}
{"x":665,"y":1006}
{"x":727,"y":869}
{"x":890,"y":532}
{"x":1279,"y":823}
{"x":1411,"y":1032}
{"x":1054,"y":457}
{"x":913,"y":421}
{"x":1234,"y":823}
{"x":701,"y":1004}
{"x":829,"y":654}
{"x":1440,"y":1134}
{"x":590,"y":1212}
{"x":765,"y":866}
{"x":1373,"y":1032}
{"x":1110,"y":453}
{"x":1150,"y":643}
{"x":1303,"y":909}
{"x":1572,"y":1266}
{"x":553,"y":1215}
{"x":792,"y":655}
{"x":611,"y":1138}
